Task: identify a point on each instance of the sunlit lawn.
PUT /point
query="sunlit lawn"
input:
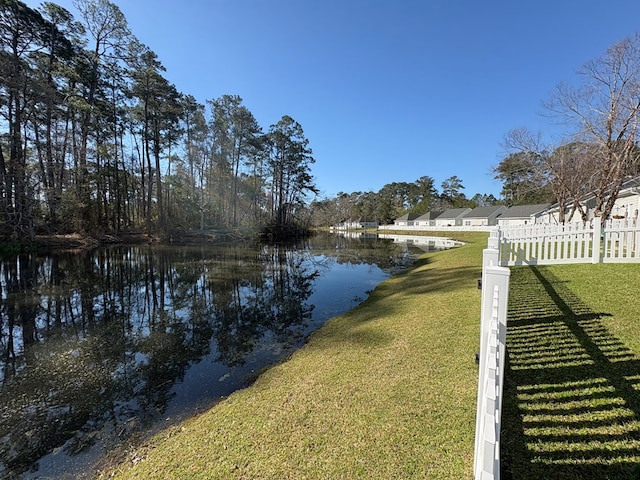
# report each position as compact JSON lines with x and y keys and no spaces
{"x":572,"y":406}
{"x":388,"y":390}
{"x":385,"y":391}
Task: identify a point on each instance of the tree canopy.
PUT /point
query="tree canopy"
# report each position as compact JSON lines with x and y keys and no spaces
{"x":94,"y":138}
{"x":599,"y":148}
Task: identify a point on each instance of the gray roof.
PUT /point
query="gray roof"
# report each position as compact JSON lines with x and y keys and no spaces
{"x":524,"y":211}
{"x":485,"y":212}
{"x":407,"y":216}
{"x":453,"y":213}
{"x":629,"y":187}
{"x":429,"y":216}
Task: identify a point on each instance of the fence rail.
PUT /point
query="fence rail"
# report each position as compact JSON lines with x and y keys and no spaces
{"x":571,"y":243}
{"x":528,"y":245}
{"x":439,"y":228}
{"x":621,"y":243}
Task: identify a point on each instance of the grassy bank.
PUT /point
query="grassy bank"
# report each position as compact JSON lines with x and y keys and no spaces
{"x":384,"y":391}
{"x":572,"y":391}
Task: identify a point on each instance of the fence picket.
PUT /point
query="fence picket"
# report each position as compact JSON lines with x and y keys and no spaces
{"x":571,"y":243}
{"x":528,"y":245}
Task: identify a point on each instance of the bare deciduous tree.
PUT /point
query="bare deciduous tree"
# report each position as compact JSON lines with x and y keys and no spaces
{"x":571,"y":169}
{"x":605,"y":113}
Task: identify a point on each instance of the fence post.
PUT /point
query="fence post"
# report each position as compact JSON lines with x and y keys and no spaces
{"x":490,"y":258}
{"x":596,"y":255}
{"x":494,"y":239}
{"x":495,"y":294}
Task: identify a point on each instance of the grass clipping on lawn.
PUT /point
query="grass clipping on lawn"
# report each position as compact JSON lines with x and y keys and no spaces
{"x":387,"y":390}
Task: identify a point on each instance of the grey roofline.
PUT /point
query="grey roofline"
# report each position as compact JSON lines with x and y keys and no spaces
{"x":492,"y":210}
{"x":459,"y":212}
{"x":524,"y":212}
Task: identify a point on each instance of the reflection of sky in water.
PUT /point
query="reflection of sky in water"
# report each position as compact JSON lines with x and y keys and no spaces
{"x":342,"y":287}
{"x":335,"y":288}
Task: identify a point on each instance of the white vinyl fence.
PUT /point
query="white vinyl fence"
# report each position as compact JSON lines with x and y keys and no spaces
{"x":439,"y":228}
{"x":615,"y":241}
{"x":544,"y":244}
{"x":493,"y":331}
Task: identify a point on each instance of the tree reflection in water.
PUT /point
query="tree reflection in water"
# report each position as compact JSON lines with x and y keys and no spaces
{"x":96,"y":345}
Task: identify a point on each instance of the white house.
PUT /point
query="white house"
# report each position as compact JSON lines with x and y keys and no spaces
{"x":522,"y":215}
{"x":427,"y":220}
{"x":406,"y":220}
{"x":452,"y":217}
{"x":483,"y":216}
{"x":626,"y":206}
{"x":355,"y":224}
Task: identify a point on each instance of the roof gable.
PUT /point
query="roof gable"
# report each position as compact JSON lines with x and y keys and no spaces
{"x":429,"y":216}
{"x":524,"y":211}
{"x":453,"y":213}
{"x":407,"y":216}
{"x":485,"y":212}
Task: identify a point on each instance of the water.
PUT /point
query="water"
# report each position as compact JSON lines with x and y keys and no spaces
{"x":101,"y":348}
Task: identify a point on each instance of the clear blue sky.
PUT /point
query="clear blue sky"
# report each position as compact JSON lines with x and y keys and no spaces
{"x":385,"y":90}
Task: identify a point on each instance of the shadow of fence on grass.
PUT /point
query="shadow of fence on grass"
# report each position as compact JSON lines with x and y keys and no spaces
{"x":572,"y":389}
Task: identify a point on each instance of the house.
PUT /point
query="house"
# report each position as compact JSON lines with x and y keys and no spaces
{"x":427,"y":220}
{"x":367,"y":223}
{"x":355,"y":224}
{"x":406,"y":220}
{"x":552,"y":214}
{"x":627,"y":204}
{"x":483,"y":216}
{"x":452,"y":217}
{"x":625,"y":207}
{"x":523,"y":215}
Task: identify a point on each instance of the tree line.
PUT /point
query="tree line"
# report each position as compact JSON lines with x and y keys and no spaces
{"x":396,"y":199}
{"x":598,"y":148}
{"x":94,"y":138}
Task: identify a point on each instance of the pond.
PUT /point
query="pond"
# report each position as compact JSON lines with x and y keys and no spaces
{"x":101,"y":348}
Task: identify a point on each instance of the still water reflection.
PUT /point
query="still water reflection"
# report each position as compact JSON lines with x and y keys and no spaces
{"x":98,"y":346}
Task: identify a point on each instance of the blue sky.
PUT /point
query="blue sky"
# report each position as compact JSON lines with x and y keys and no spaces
{"x":385,"y":90}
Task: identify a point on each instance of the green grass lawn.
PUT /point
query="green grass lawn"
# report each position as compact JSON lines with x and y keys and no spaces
{"x":572,"y":392}
{"x":387,"y":390}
